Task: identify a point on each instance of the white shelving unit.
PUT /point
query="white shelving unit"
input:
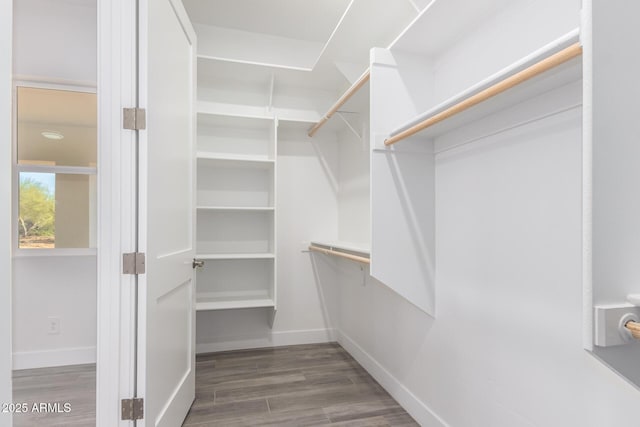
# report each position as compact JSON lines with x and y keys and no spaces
{"x":236,"y":212}
{"x":242,"y":108}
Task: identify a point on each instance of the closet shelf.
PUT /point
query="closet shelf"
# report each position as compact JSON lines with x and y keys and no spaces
{"x":235,"y":208}
{"x":548,"y":68}
{"x":254,"y":112}
{"x":362,"y":80}
{"x":228,"y":256}
{"x":237,"y":158}
{"x":434,"y":29}
{"x":232,"y":110}
{"x":211,"y":301}
{"x":342,"y":249}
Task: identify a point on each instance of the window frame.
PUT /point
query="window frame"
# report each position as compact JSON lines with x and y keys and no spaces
{"x":16,"y":168}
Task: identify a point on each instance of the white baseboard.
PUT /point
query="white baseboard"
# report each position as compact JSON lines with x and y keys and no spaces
{"x":275,"y":339}
{"x":414,"y":406}
{"x":51,"y":358}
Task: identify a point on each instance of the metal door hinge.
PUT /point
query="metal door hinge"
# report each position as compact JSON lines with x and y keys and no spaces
{"x":133,"y":263}
{"x":134,"y":118}
{"x":132,"y":409}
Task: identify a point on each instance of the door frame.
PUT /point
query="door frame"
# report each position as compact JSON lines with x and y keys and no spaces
{"x":6,"y":36}
{"x":117,"y":89}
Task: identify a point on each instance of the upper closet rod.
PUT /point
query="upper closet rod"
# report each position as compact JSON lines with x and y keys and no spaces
{"x":503,"y":85}
{"x":340,"y":102}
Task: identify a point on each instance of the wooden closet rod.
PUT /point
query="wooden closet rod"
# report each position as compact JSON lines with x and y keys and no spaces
{"x":634,"y":328}
{"x":340,"y":254}
{"x":540,"y":67}
{"x":340,"y":102}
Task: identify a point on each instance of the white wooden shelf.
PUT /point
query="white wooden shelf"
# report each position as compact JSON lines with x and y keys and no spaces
{"x":433,"y":30}
{"x":559,"y":76}
{"x":207,"y":108}
{"x":230,"y":256}
{"x":224,"y":157}
{"x":236,"y":208}
{"x":232,"y":110}
{"x":207,"y":302}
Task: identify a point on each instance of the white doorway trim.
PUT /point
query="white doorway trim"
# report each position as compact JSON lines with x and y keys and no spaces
{"x":116,"y":209}
{"x":6,"y":29}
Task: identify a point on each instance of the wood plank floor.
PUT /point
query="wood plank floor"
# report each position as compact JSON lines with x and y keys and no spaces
{"x":305,"y":385}
{"x":75,"y":385}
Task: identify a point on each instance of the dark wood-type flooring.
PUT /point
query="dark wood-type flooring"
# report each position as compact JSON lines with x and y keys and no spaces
{"x":304,"y":385}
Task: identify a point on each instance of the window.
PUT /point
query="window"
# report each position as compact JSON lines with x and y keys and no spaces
{"x":56,"y":166}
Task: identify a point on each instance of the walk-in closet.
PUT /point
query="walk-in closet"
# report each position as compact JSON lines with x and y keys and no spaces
{"x":337,"y":212}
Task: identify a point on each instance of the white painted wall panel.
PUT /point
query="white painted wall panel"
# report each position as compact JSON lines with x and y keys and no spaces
{"x":616,"y":176}
{"x":402,"y":180}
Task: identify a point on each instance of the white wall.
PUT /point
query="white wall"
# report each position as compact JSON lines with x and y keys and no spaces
{"x":306,"y":208}
{"x":354,"y":221}
{"x":5,"y":212}
{"x":506,"y":346}
{"x":55,"y":41}
{"x":63,"y":287}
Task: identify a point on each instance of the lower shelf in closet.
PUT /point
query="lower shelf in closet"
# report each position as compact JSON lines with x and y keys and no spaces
{"x":223,"y":256}
{"x":227,"y":300}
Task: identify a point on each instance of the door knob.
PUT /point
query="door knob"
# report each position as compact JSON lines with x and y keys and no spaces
{"x":197,"y":263}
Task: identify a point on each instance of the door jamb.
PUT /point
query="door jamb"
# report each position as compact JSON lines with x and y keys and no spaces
{"x":117,"y":68}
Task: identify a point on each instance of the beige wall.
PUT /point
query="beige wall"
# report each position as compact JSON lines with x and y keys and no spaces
{"x":72,"y":211}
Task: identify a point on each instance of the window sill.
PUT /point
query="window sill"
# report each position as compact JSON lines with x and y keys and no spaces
{"x":56,"y":252}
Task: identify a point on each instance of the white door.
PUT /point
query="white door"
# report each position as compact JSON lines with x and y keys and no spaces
{"x":166,"y":338}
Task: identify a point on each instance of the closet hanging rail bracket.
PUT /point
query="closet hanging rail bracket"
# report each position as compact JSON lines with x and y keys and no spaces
{"x":364,"y":78}
{"x":616,"y":325}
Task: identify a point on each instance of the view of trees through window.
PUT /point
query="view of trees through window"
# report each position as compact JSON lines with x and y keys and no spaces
{"x":56,"y":163}
{"x":37,"y":212}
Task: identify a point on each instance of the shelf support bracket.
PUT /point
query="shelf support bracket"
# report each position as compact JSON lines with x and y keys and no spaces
{"x":346,"y":122}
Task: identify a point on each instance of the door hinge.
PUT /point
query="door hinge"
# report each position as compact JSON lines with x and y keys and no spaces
{"x":132,"y":409}
{"x":133,"y":263}
{"x":134,"y":118}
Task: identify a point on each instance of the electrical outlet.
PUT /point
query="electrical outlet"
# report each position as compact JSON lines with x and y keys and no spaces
{"x":53,"y":325}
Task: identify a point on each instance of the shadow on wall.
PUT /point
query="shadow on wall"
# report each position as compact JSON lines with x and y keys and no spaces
{"x":324,"y":274}
{"x":369,"y":318}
